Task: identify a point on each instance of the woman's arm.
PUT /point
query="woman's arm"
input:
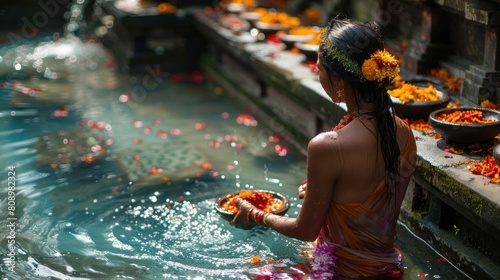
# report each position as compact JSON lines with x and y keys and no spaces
{"x":321,"y":174}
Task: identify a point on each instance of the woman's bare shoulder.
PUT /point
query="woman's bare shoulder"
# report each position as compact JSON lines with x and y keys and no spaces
{"x":325,"y":136}
{"x":323,"y":141}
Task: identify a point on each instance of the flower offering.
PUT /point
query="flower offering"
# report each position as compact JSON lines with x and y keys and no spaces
{"x":261,"y":200}
{"x":465,"y":117}
{"x":410,"y":93}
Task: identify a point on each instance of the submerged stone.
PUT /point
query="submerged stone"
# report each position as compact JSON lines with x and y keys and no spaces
{"x":82,"y":145}
{"x":160,"y":162}
{"x":31,"y":93}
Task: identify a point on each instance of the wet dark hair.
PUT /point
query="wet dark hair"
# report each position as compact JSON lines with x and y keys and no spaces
{"x":358,"y":41}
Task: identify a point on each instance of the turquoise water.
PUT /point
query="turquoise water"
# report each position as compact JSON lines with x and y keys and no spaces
{"x":116,"y":175}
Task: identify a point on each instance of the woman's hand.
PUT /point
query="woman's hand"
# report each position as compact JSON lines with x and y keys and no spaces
{"x":302,"y":190}
{"x":240,"y":219}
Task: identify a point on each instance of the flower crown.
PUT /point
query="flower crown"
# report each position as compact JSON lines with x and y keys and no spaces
{"x":380,"y":66}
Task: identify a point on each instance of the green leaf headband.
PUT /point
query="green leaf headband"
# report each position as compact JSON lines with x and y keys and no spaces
{"x":380,"y":66}
{"x":339,"y":56}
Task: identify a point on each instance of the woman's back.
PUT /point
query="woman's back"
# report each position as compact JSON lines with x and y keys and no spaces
{"x":360,"y":157}
{"x":356,"y":176}
{"x":362,"y":216}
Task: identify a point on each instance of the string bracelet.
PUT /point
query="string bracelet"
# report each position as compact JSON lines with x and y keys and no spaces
{"x":249,"y":215}
{"x":259,"y":216}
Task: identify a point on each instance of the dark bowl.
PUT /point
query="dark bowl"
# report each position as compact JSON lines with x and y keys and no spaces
{"x":466,"y":133}
{"x":234,"y":23}
{"x":235,"y":8}
{"x":290,"y":40}
{"x":229,"y":216}
{"x":423,"y":81}
{"x":496,"y":154}
{"x":419,"y":109}
{"x":268,"y":29}
{"x":251,"y":16}
{"x":310,"y":51}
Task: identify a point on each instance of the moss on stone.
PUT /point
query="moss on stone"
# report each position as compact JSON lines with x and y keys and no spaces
{"x":462,"y":194}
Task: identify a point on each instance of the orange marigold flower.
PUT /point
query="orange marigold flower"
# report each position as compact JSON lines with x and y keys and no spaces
{"x":255,"y":259}
{"x":409,"y":93}
{"x":369,"y":69}
{"x":166,"y":8}
{"x":381,"y":65}
{"x":489,"y":105}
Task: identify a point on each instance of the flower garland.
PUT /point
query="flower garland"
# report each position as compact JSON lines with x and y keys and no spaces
{"x":379,"y":67}
{"x":344,"y":121}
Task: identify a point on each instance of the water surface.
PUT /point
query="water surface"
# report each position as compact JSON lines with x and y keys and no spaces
{"x":116,"y":175}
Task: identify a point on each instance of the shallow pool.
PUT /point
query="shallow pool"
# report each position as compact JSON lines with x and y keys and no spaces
{"x":115,"y":176}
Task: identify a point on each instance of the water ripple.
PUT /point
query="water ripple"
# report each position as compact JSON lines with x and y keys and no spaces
{"x":30,"y":176}
{"x":19,"y":113}
{"x":17,"y":152}
{"x":19,"y":144}
{"x":11,"y":132}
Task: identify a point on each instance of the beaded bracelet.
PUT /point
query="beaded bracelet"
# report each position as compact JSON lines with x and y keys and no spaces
{"x":249,"y":213}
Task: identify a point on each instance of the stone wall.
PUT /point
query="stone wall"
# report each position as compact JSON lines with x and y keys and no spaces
{"x":460,"y":36}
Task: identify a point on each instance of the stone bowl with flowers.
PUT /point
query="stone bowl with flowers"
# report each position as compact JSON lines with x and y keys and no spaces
{"x":271,"y":23}
{"x":300,"y":34}
{"x":310,"y":48}
{"x":409,"y":101}
{"x":466,"y":125}
{"x":254,"y":15}
{"x":264,"y":200}
{"x":417,"y":102}
{"x":236,"y":6}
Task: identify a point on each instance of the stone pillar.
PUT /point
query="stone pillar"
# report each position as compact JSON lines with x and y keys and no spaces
{"x":419,"y":24}
{"x":426,"y":46}
{"x":483,"y":81}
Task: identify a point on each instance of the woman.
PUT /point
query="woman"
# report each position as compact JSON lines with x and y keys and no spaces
{"x":358,"y":173}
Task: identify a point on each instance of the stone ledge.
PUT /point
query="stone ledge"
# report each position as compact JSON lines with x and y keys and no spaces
{"x":474,"y":194}
{"x":449,"y":245}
